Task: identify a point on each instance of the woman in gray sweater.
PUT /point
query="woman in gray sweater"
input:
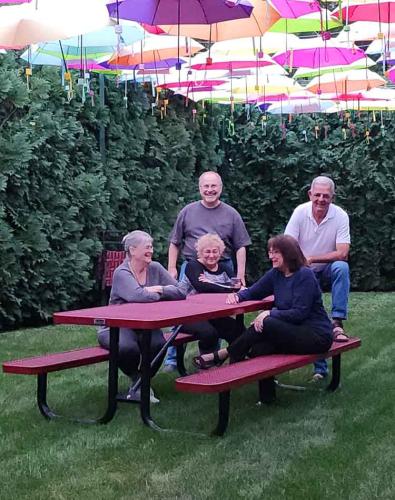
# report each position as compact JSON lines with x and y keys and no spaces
{"x":139,"y":279}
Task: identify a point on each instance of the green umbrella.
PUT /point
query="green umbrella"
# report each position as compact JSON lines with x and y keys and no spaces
{"x":311,"y":23}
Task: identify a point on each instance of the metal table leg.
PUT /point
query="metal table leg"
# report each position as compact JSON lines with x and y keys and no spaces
{"x":146,"y":379}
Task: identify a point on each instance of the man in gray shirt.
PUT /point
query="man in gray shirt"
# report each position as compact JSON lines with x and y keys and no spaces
{"x":208,"y":215}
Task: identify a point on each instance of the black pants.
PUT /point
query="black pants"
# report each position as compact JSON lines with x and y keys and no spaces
{"x":278,"y":337}
{"x":130,"y":350}
{"x":209,"y":332}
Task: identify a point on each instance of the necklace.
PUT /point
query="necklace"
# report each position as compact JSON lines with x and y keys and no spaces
{"x":140,"y":277}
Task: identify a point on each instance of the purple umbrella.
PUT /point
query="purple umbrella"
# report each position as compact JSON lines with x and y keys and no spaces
{"x":163,"y":64}
{"x":156,"y":12}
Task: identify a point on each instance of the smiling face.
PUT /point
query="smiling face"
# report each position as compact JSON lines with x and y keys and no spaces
{"x":142,"y":253}
{"x":209,"y":256}
{"x":210,"y":187}
{"x":277,"y":260}
{"x":321,"y":197}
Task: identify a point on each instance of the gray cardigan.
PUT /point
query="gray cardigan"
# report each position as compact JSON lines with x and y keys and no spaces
{"x":125,"y":287}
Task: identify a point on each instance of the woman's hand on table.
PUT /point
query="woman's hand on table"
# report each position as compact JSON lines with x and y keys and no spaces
{"x":258,"y":321}
{"x":232,"y":298}
{"x":203,"y":278}
{"x":154,"y":289}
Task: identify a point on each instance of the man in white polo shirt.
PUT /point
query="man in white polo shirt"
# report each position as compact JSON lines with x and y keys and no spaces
{"x":323,"y":232}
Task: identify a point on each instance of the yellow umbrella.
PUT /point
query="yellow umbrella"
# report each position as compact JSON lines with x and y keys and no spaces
{"x":268,"y":85}
{"x":262,"y":18}
{"x":268,"y":44}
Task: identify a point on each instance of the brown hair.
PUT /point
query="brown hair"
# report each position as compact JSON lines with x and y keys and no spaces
{"x":289,"y":249}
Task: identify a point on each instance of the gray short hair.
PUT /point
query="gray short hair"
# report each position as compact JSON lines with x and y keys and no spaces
{"x":136,"y":238}
{"x":322,"y":179}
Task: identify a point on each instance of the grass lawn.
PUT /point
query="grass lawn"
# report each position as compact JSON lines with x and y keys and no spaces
{"x":308,"y":445}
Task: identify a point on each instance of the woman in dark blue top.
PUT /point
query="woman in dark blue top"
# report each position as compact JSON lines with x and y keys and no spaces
{"x":297,"y":324}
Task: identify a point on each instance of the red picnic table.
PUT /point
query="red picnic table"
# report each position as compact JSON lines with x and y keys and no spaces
{"x":143,"y":318}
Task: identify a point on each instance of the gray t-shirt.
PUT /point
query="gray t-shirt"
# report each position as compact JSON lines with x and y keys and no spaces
{"x":125,"y":287}
{"x":195,"y":220}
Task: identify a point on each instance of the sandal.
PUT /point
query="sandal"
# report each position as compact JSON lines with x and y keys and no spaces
{"x":339,"y":334}
{"x":204,"y":364}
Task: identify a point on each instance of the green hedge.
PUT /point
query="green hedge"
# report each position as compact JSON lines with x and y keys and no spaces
{"x":57,"y":196}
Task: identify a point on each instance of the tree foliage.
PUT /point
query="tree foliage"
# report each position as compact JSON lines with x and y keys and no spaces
{"x":58,"y":196}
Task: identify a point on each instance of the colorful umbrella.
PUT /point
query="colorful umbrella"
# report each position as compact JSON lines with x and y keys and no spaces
{"x":155,"y":49}
{"x":291,"y":9}
{"x":348,"y":81}
{"x":311,"y":73}
{"x":297,"y":107}
{"x":262,"y":18}
{"x":363,"y":30}
{"x":320,"y":54}
{"x":269,"y":43}
{"x":156,"y":12}
{"x":228,"y":62}
{"x":378,"y":46}
{"x":368,"y":10}
{"x":391,"y":75}
{"x":310,"y":23}
{"x":22,"y":25}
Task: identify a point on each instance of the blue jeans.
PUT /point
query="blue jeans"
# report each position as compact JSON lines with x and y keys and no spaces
{"x":334,"y":277}
{"x":171,"y":357}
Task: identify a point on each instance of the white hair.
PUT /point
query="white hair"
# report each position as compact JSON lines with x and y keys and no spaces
{"x":136,"y":238}
{"x":210,"y":172}
{"x":322,"y":179}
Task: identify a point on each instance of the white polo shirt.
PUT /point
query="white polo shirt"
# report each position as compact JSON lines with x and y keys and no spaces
{"x":317,"y":239}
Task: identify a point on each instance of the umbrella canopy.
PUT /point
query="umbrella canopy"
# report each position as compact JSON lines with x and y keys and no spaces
{"x":348,"y":81}
{"x":15,"y":1}
{"x":269,"y":84}
{"x":195,"y":84}
{"x":262,"y":18}
{"x":367,"y":10}
{"x":320,"y":54}
{"x":228,"y":62}
{"x":154,"y":49}
{"x":311,"y":73}
{"x":391,"y":75}
{"x":297,"y":107}
{"x":311,"y":22}
{"x":22,"y":25}
{"x":156,"y":12}
{"x":251,"y":47}
{"x":291,"y":9}
{"x":364,"y":30}
{"x":378,"y":46}
{"x":165,"y":63}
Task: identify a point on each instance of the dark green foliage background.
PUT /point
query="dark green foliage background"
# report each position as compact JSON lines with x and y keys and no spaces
{"x":57,"y":196}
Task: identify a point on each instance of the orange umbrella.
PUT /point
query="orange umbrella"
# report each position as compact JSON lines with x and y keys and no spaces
{"x":348,"y":81}
{"x":262,"y":18}
{"x":154,"y":49}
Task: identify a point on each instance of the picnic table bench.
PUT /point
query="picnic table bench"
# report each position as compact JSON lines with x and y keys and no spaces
{"x":224,"y":378}
{"x":57,"y":361}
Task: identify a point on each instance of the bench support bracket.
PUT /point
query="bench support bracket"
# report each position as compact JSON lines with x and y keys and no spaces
{"x":223,"y":413}
{"x":336,"y":365}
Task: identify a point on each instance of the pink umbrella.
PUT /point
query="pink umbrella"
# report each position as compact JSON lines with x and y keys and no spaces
{"x":324,"y":54}
{"x":156,"y":12}
{"x":195,"y":84}
{"x":391,"y":74}
{"x":231,"y":65}
{"x":292,"y":9}
{"x":383,"y":12}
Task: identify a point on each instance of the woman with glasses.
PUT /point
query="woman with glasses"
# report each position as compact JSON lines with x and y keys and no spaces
{"x":298,"y":322}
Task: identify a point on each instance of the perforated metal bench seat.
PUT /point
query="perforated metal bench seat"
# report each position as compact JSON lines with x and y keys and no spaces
{"x":224,"y":378}
{"x":52,"y":362}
